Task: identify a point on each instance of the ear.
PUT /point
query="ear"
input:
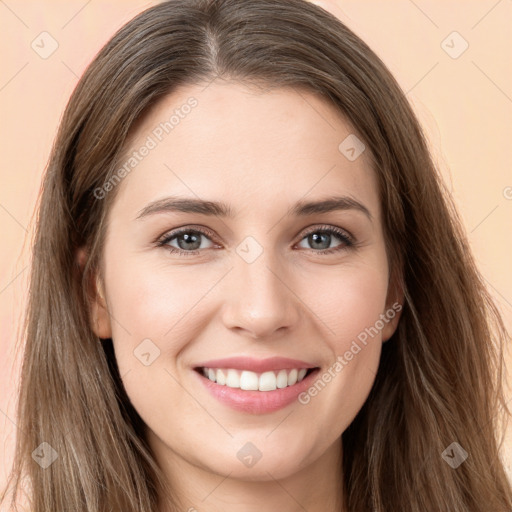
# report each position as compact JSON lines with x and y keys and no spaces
{"x":394,"y":307}
{"x":98,"y":311}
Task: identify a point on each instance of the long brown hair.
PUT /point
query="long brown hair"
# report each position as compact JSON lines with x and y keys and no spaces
{"x":440,"y":376}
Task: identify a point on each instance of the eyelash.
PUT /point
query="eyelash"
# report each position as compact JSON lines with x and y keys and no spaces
{"x":347,"y":240}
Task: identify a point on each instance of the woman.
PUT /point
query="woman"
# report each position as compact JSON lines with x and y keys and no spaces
{"x":262,"y":371}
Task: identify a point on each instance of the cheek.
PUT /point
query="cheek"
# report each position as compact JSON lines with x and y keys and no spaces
{"x":347,"y":302}
{"x":153,"y":320}
{"x":359,"y":307}
{"x":350,"y":306}
{"x":155,"y":303}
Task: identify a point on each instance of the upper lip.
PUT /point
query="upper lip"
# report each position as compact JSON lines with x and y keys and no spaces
{"x":255,"y":365}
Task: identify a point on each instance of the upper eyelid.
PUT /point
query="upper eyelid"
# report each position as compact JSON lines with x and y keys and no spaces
{"x":184,"y":229}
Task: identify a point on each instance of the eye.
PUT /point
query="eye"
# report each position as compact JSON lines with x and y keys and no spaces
{"x":189,"y":241}
{"x":321,"y":238}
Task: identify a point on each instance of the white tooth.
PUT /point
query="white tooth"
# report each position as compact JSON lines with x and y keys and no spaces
{"x":282,"y":379}
{"x":249,"y":381}
{"x":267,"y":381}
{"x":233,"y":379}
{"x":292,"y":377}
{"x":221,"y":377}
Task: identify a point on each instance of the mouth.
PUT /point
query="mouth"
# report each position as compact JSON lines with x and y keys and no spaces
{"x":248,"y":380}
{"x":254,"y":392}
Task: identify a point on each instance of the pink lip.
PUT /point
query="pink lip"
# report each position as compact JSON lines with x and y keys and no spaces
{"x":257,"y":402}
{"x":255,"y":365}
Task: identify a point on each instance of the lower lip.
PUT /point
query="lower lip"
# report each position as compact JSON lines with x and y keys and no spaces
{"x":257,"y":402}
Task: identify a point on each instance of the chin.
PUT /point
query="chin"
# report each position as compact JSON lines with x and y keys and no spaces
{"x":263,"y":471}
{"x":255,"y":461}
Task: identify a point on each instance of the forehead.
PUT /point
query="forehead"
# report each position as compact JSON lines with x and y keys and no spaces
{"x":245,"y":146}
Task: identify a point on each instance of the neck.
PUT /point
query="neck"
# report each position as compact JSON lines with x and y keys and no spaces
{"x":316,"y":488}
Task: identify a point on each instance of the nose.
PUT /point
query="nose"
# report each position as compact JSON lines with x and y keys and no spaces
{"x":260,"y":301}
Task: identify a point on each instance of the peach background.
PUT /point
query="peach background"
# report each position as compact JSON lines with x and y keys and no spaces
{"x":465,"y":105}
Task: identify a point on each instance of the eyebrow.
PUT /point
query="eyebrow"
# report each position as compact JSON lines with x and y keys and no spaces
{"x":218,"y":208}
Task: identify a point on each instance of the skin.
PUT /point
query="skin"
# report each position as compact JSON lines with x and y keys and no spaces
{"x":260,"y":152}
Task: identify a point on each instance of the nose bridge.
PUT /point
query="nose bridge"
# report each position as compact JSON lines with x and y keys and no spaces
{"x":260,"y":299}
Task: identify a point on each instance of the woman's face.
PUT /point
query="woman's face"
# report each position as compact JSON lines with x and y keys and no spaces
{"x":250,"y":284}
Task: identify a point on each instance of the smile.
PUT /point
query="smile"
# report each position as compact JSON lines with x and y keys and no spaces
{"x":252,"y":381}
{"x":255,"y":386}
